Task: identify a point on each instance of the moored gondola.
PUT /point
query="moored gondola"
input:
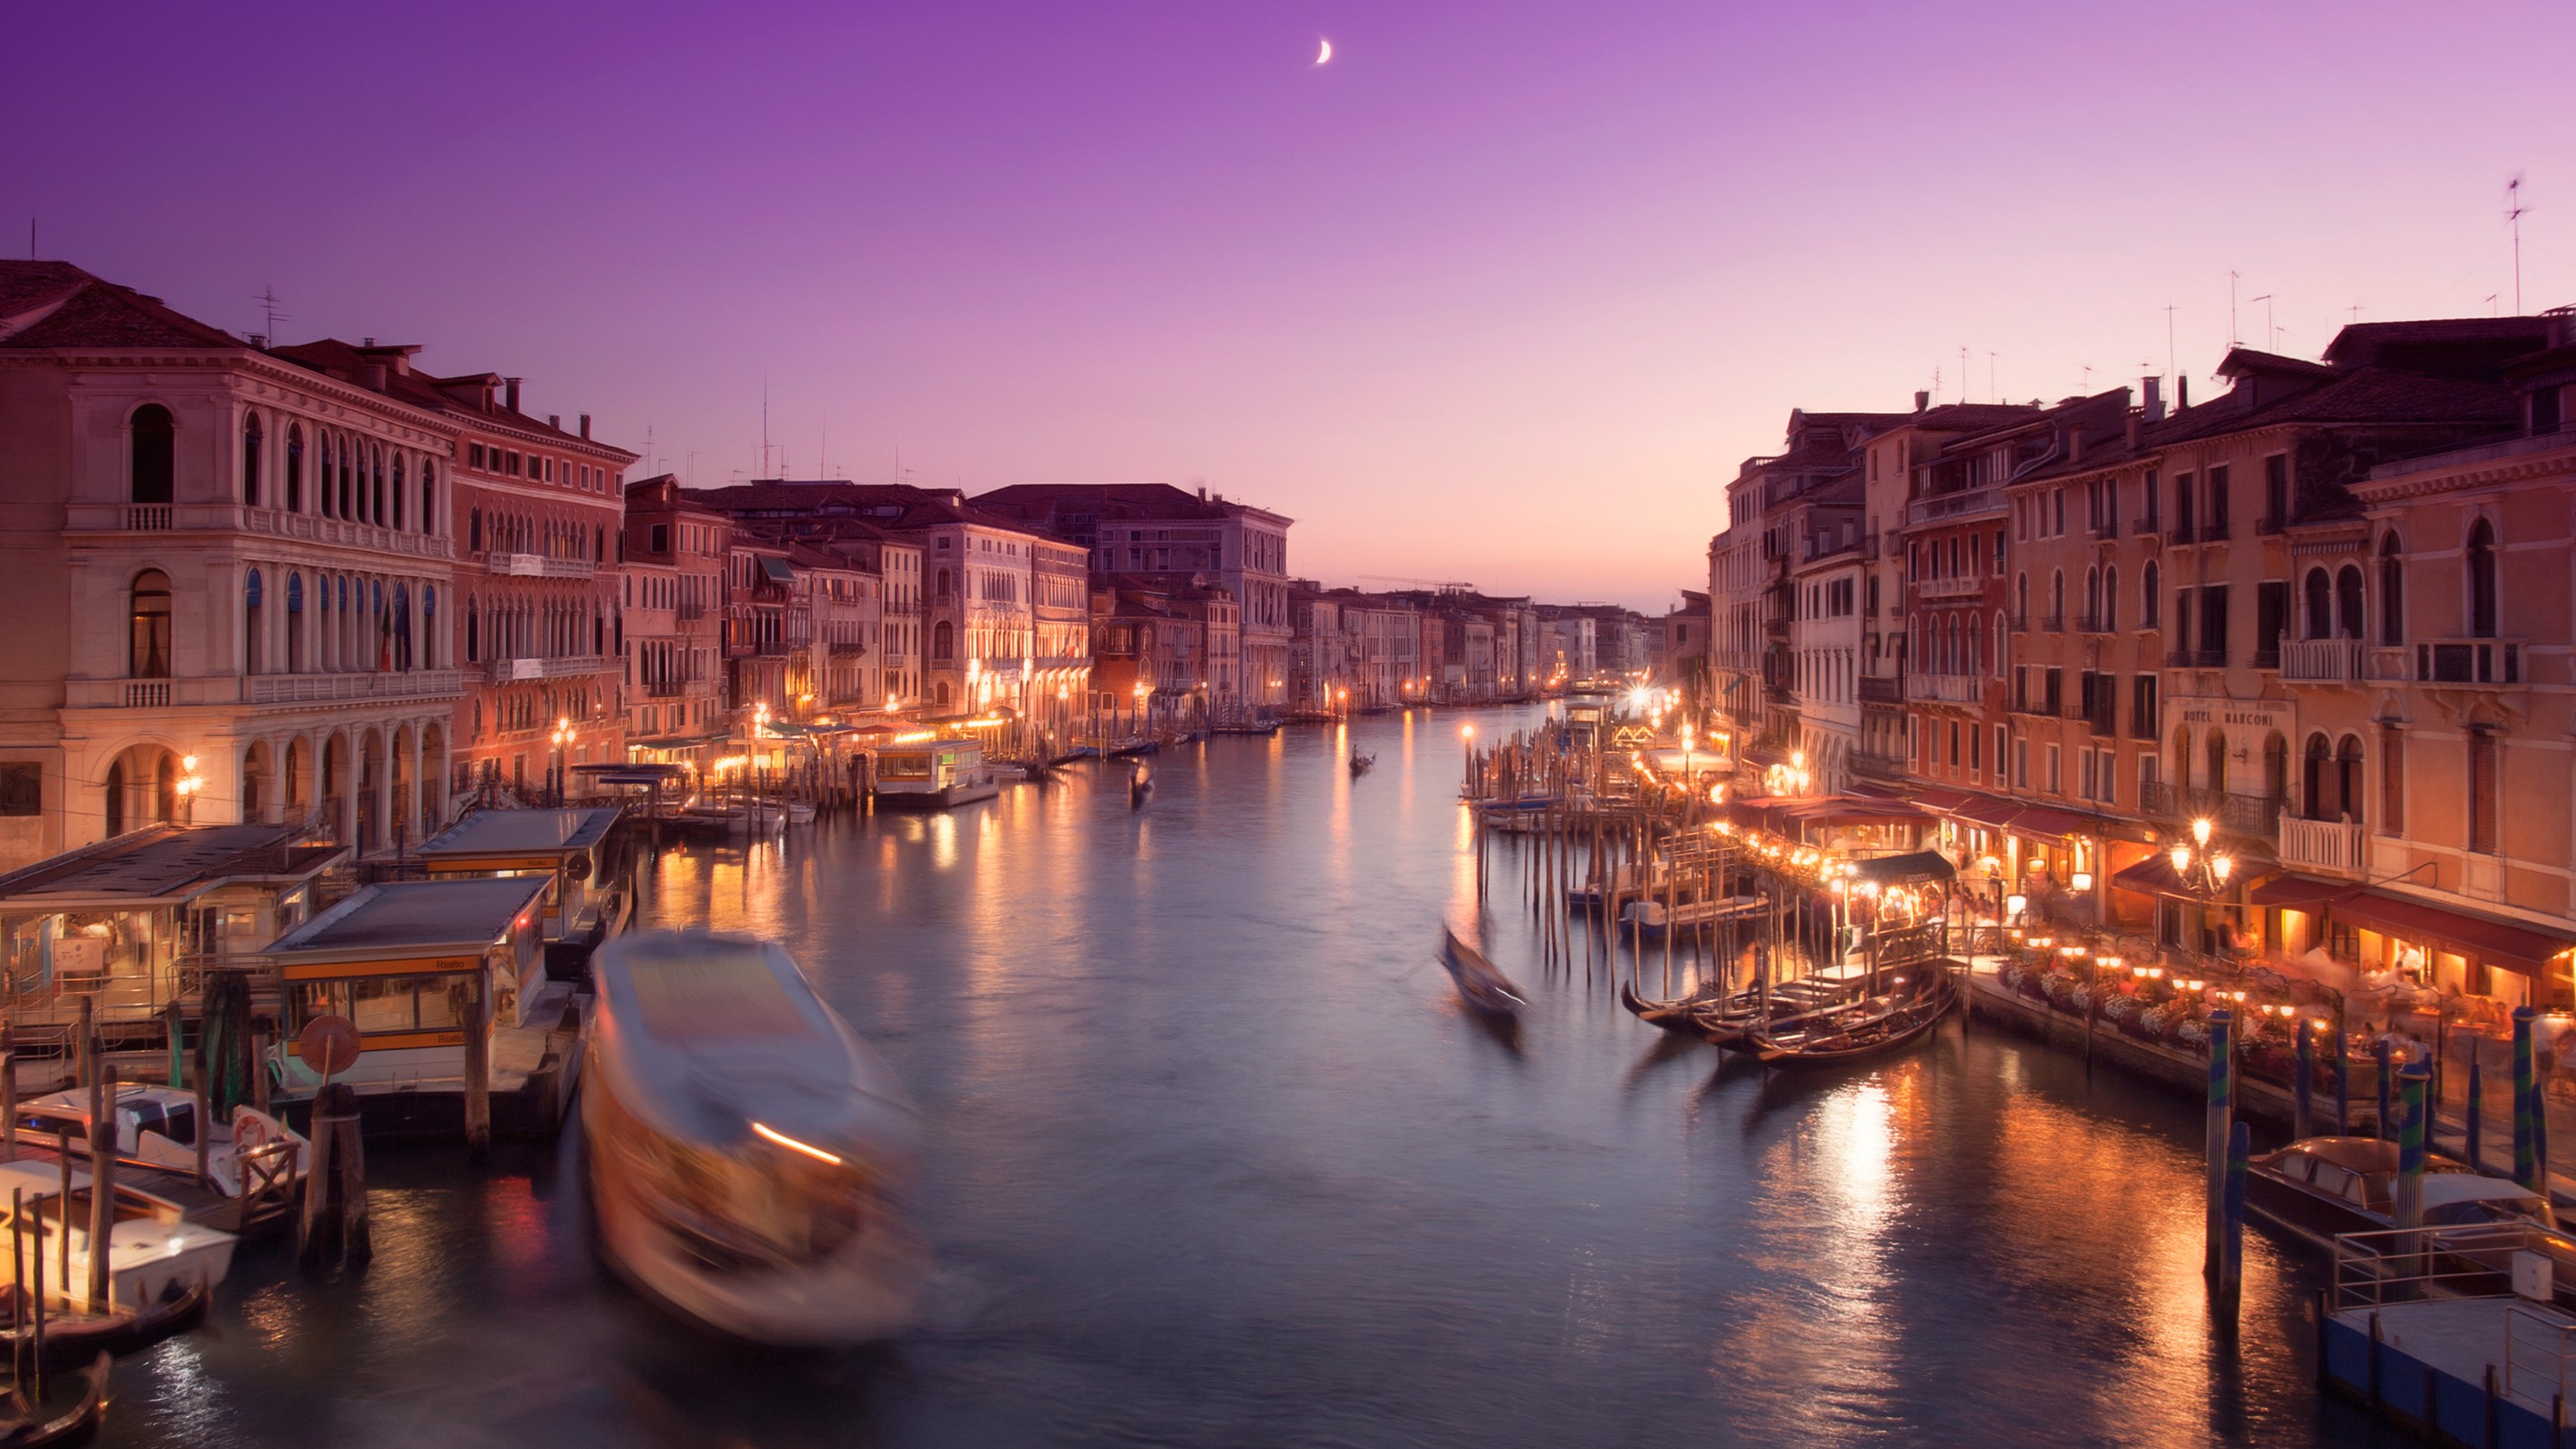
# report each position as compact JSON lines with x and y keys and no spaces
{"x":1873,"y":1028}
{"x":71,"y":1339}
{"x":83,"y":1398}
{"x":1485,"y":989}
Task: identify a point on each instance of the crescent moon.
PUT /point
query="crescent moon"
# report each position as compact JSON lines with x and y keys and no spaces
{"x":1324,"y":54}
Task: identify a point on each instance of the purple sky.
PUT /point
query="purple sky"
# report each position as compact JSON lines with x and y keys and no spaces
{"x":1504,"y":293}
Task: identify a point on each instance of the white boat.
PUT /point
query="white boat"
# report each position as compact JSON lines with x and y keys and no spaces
{"x":151,"y":1246}
{"x":934,"y":774}
{"x":156,"y":1128}
{"x":800,"y":812}
{"x":746,"y":1148}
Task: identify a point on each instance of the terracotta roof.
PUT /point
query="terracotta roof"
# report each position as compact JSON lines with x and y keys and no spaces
{"x":55,"y":304}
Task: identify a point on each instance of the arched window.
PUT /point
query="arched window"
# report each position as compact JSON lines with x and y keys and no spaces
{"x":2021,"y":598}
{"x":474,"y":530}
{"x":429,"y":626}
{"x":2320,"y":607}
{"x":2217,"y":763}
{"x":398,"y":491}
{"x":348,"y":480}
{"x":155,"y":455}
{"x":250,"y":459}
{"x":2149,"y":598}
{"x":2092,"y":598}
{"x":295,"y":467}
{"x":328,"y":497}
{"x":2392,"y":593}
{"x":2482,"y":581}
{"x":295,"y":624}
{"x":376,"y":461}
{"x":428,"y":496}
{"x":473,"y":633}
{"x":2348,"y":778}
{"x":2348,"y":602}
{"x":2313,"y":779}
{"x":147,"y":652}
{"x":398,"y":635}
{"x":2057,"y":599}
{"x":2110,"y":601}
{"x":254,"y":638}
{"x":943,"y":637}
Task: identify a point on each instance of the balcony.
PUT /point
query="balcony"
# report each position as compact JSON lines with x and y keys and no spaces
{"x":240,"y":689}
{"x":1971,"y":504}
{"x":1876,"y":766}
{"x":1931,"y":590}
{"x":2327,"y":845}
{"x":1946,"y":688}
{"x":2181,"y":534}
{"x":2321,"y":661}
{"x":240,"y":518}
{"x":2252,"y":815}
{"x":536,"y":566}
{"x":1880,"y":690}
{"x":2091,"y":624}
{"x":846,"y":649}
{"x":2053,"y":623}
{"x":667,"y":688}
{"x":519,"y":671}
{"x":2269,"y":527}
{"x":2486,"y":662}
{"x":2149,"y":527}
{"x":2196,"y":659}
{"x":2214,"y":531}
{"x":2020,"y":623}
{"x":689,"y":612}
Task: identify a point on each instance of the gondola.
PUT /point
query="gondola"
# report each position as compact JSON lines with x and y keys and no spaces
{"x":1833,"y":1039}
{"x":1674,"y":1015}
{"x":1360,"y":764}
{"x":1140,"y":788}
{"x":34,"y":1429}
{"x":70,"y":1339}
{"x":1486,"y":990}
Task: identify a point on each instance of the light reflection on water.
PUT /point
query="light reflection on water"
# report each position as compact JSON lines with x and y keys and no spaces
{"x":1216,"y":1158}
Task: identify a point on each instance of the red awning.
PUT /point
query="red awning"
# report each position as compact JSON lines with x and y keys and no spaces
{"x":2153,"y":876}
{"x":2053,"y":824}
{"x":2289,"y":888}
{"x":1986,"y":810}
{"x":2479,"y":937}
{"x":1941,"y":800}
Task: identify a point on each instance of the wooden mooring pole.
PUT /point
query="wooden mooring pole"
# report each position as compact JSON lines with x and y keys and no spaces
{"x":333,"y":1233}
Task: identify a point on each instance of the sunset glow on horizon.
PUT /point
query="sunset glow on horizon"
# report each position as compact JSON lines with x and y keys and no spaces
{"x":1501,"y":293}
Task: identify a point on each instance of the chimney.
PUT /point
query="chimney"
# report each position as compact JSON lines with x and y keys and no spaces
{"x":585,"y":425}
{"x":2074,"y":445}
{"x":555,"y":421}
{"x":1922,"y":401}
{"x":376,"y":376}
{"x":2182,"y":392}
{"x":2136,"y":415}
{"x":2155,"y":396}
{"x":510,"y":392}
{"x":1203,"y":495}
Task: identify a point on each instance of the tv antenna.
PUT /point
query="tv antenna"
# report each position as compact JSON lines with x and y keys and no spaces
{"x":2170,"y":369}
{"x":2513,"y":210}
{"x":2232,"y":338}
{"x":1990,"y":375}
{"x":267,"y":300}
{"x":2268,"y":329}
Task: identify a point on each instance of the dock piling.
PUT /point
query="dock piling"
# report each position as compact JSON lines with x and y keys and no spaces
{"x":333,"y":1231}
{"x":2475,"y":1108}
{"x":2304,"y":1090}
{"x":2383,"y":1052}
{"x":478,"y":1070}
{"x":2526,"y":1168}
{"x":2221,"y":1121}
{"x":102,"y":1187}
{"x":2231,"y":1262}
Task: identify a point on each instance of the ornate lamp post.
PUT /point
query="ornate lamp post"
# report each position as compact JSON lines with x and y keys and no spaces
{"x":190,"y":782}
{"x":2203,"y":871}
{"x":562,"y":739}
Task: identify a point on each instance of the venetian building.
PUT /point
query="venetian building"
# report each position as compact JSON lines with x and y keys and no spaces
{"x":227,"y":576}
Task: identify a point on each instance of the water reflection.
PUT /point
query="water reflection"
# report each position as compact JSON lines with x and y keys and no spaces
{"x":1218,"y":1159}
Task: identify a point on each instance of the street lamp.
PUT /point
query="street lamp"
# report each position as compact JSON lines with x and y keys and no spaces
{"x":190,"y":782}
{"x":562,"y":737}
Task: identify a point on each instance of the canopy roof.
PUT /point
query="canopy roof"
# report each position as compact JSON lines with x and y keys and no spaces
{"x":521,"y":832}
{"x":1911,"y":868}
{"x":417,"y":916}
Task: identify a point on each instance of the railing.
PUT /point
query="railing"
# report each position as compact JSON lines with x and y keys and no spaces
{"x":148,"y":516}
{"x":2254,"y":815}
{"x":2468,"y":661}
{"x":1880,"y":690}
{"x":1955,"y":505}
{"x":2196,"y":659}
{"x":507,"y":671}
{"x":323,"y":688}
{"x":2149,"y":527}
{"x":147,"y":694}
{"x":2269,"y":527}
{"x":2452,"y":1261}
{"x":846,"y":649}
{"x":2053,"y":623}
{"x":2214,"y":531}
{"x":689,"y":612}
{"x":2019,"y":623}
{"x":665,"y":688}
{"x":2091,"y":624}
{"x":2334,"y":845}
{"x":244,"y":518}
{"x":537,"y":566}
{"x":1878,"y":766}
{"x":2180,"y":533}
{"x":1946,"y":688}
{"x":2326,"y":661}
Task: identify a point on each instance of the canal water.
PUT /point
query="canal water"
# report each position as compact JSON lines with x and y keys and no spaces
{"x":1216,"y":1159}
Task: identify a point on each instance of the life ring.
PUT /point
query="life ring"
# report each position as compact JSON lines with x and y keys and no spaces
{"x":249,"y":1131}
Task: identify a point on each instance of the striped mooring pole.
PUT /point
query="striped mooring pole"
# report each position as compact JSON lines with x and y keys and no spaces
{"x":2343,"y":1079}
{"x":2475,"y":1107}
{"x":2382,"y":1052}
{"x":2231,"y":1271}
{"x":2304,"y":1088}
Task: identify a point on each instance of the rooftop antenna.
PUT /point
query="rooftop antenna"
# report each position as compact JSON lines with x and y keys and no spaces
{"x":2231,"y":307}
{"x":2088,"y":379}
{"x":2268,"y":328}
{"x":2491,"y":304}
{"x":2170,"y":369}
{"x":648,"y":450}
{"x":2513,"y":210}
{"x":1936,"y":382}
{"x":764,"y":425}
{"x":1963,"y":374}
{"x":267,"y":300}
{"x":2356,"y":314}
{"x":1990,"y":375}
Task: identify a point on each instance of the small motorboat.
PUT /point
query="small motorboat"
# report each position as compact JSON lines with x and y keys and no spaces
{"x":151,"y":1244}
{"x":1486,"y":990}
{"x":800,"y":812}
{"x":1361,"y":764}
{"x":71,"y":1415}
{"x":2324,"y":1187}
{"x":255,"y":1156}
{"x":1140,"y":788}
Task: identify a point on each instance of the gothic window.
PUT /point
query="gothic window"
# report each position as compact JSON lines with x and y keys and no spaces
{"x":294,"y":467}
{"x":148,"y":631}
{"x":250,"y":459}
